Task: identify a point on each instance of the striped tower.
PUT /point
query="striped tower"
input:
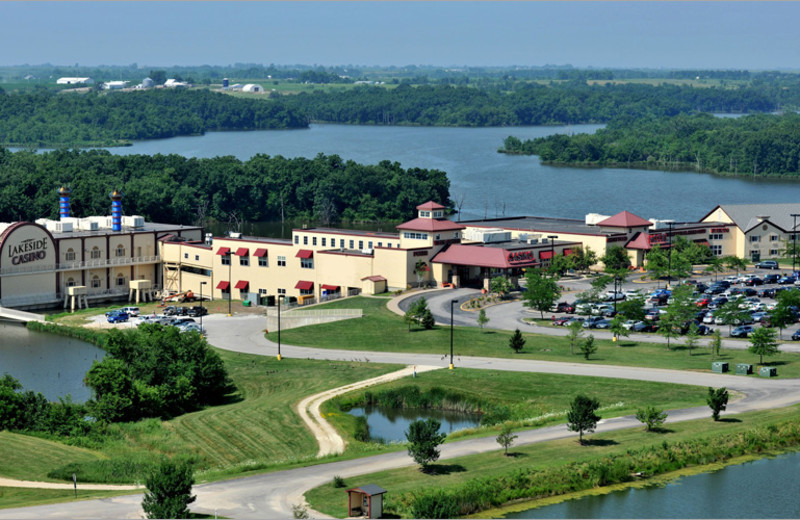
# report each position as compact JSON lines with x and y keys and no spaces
{"x":63,"y":202}
{"x":116,"y":210}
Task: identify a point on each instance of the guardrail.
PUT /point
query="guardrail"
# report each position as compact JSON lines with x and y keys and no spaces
{"x":86,"y":264}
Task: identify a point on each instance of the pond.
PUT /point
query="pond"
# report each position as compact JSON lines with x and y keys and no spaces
{"x":766,"y":488}
{"x":46,"y":363}
{"x":390,"y":424}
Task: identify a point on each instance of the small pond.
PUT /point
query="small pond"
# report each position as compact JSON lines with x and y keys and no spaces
{"x":46,"y":363}
{"x":391,"y":424}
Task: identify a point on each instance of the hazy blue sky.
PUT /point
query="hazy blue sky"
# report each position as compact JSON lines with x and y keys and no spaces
{"x":754,"y":35}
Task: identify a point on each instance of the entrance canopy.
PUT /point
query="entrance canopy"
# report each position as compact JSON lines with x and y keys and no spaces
{"x":490,"y":257}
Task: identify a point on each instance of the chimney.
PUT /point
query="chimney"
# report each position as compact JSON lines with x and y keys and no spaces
{"x":116,"y":210}
{"x":63,"y":202}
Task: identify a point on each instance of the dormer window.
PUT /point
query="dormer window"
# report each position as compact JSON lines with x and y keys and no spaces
{"x":437,"y":214}
{"x":425,"y":214}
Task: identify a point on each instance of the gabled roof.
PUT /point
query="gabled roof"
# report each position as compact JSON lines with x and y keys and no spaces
{"x":476,"y":255}
{"x":369,"y":489}
{"x":430,"y":224}
{"x":430,"y":206}
{"x":624,"y":219}
{"x":638,"y":241}
{"x":745,"y":216}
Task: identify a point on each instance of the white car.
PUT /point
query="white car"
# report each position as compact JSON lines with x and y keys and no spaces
{"x":132,"y":311}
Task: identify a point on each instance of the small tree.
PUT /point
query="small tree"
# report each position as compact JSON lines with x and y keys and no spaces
{"x":731,"y":313}
{"x":617,"y":327}
{"x":588,"y":347}
{"x":581,"y":416}
{"x":692,"y":337}
{"x":616,"y":259}
{"x":651,"y":417}
{"x":500,"y":285}
{"x":783,"y":313}
{"x":735,"y":263}
{"x":575,"y":333}
{"x":506,"y":437}
{"x":678,"y":313}
{"x":717,"y":400}
{"x":763,"y":342}
{"x":482,"y":318}
{"x":541,"y":291}
{"x":421,"y":270}
{"x":427,"y":321}
{"x":516,"y":342}
{"x":716,"y":344}
{"x":169,"y":489}
{"x":417,"y":312}
{"x":423,"y":440}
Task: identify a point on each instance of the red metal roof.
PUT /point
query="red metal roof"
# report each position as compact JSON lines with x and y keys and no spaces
{"x":333,"y":288}
{"x":304,"y":253}
{"x":242,"y":251}
{"x":303,"y":285}
{"x":241,"y":284}
{"x":430,"y":225}
{"x":474,"y":255}
{"x":639,"y":241}
{"x":223,"y":285}
{"x":430,"y":206}
{"x":624,"y":219}
{"x":223,"y":250}
{"x":545,"y":255}
{"x":260,"y":252}
{"x":375,"y":278}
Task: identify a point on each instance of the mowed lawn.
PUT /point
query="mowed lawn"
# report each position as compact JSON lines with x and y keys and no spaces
{"x":382,"y":330}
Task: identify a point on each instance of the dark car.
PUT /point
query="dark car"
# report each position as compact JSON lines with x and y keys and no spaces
{"x":767,"y":264}
{"x":753,"y":281}
{"x":718,"y":302}
{"x":743,"y":291}
{"x":716,"y":289}
{"x":591,"y":322}
{"x":197,"y":311}
{"x":602,"y":324}
{"x":787,"y":280}
{"x":742,"y":331}
{"x":772,"y":278}
{"x":767,"y":293}
{"x":796,"y":336}
{"x":565,"y":307}
{"x":170,"y":310}
{"x":700,"y":287}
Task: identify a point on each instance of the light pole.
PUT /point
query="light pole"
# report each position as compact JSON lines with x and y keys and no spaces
{"x":452,"y":302}
{"x":201,"y":304}
{"x":794,"y":241}
{"x":280,"y":297}
{"x":669,"y":253}
{"x":552,"y":248}
{"x":230,"y":281}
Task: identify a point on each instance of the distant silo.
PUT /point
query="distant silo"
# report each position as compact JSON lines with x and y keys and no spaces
{"x":116,"y":210}
{"x":147,"y":83}
{"x":225,"y":82}
{"x":63,"y":204}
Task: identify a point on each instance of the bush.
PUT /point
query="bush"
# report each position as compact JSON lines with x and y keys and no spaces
{"x":435,"y":504}
{"x":338,"y":482}
{"x":361,"y":432}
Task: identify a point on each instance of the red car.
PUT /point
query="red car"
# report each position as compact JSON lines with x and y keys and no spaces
{"x":562,"y":320}
{"x":702,"y":302}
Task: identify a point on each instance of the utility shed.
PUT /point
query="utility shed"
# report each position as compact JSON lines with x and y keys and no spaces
{"x":365,"y":501}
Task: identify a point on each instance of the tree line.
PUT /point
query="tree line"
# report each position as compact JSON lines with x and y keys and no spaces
{"x":47,"y":119}
{"x":179,"y":190}
{"x":756,"y":145}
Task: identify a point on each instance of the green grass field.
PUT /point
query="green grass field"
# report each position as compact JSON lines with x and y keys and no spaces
{"x":23,"y":497}
{"x":380,"y":330}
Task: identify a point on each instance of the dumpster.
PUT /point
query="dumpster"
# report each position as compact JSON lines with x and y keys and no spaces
{"x":719,"y":367}
{"x":744,"y":369}
{"x":246,"y":303}
{"x":768,"y":372}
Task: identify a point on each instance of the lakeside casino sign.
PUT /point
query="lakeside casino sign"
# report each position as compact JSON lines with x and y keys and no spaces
{"x":28,"y":251}
{"x":24,"y":243}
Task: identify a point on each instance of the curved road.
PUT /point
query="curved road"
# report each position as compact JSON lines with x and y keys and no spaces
{"x":272,"y":495}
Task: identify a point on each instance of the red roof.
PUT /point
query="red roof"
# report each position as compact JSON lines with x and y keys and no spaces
{"x":223,"y":250}
{"x":624,"y":219}
{"x":241,"y":284}
{"x":430,"y":206}
{"x":639,"y":241}
{"x":333,"y":288}
{"x":473,"y":255}
{"x":242,"y":251}
{"x":223,"y":285}
{"x":430,"y":225}
{"x":304,"y":253}
{"x":260,"y":252}
{"x":304,"y":286}
{"x":375,"y":278}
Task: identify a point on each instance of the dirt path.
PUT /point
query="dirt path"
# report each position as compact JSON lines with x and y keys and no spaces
{"x":9,"y":482}
{"x":330,"y":442}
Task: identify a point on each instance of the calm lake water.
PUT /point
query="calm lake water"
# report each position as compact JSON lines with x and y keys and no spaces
{"x":52,"y":365}
{"x":767,"y":488}
{"x":493,"y":184}
{"x":390,"y":424}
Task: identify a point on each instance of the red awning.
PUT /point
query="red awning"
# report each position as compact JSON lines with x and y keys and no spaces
{"x":242,"y":251}
{"x":223,"y":250}
{"x":702,"y":242}
{"x":241,"y":284}
{"x":223,"y":285}
{"x":332,"y":288}
{"x":260,"y":252}
{"x":304,"y":253}
{"x":545,"y":255}
{"x":567,"y":252}
{"x":304,"y":286}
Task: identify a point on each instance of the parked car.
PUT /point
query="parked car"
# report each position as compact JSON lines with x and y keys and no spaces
{"x":170,"y":310}
{"x":644,"y":326}
{"x":703,"y":301}
{"x":198,"y":311}
{"x":767,"y":293}
{"x":191,"y":327}
{"x":709,"y":318}
{"x":561,"y":321}
{"x":114,"y":311}
{"x":760,"y":317}
{"x":612,"y":296}
{"x":628,"y":324}
{"x":598,"y":310}
{"x":742,"y":331}
{"x":771,"y":278}
{"x":132,"y":311}
{"x":718,"y":302}
{"x":602,"y":324}
{"x":716,"y":289}
{"x":700,"y":287}
{"x":789,"y":279}
{"x":753,"y":281}
{"x":182,"y":320}
{"x":560,"y":307}
{"x":118,"y":317}
{"x":796,"y":336}
{"x":572,"y":320}
{"x":767,"y":264}
{"x":591,"y":322}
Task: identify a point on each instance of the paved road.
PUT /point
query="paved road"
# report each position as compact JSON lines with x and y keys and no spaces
{"x":272,"y":495}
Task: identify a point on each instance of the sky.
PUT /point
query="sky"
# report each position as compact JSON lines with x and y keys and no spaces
{"x":634,"y":34}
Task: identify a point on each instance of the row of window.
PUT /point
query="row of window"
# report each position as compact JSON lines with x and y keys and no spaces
{"x":94,"y":254}
{"x":772,"y":238}
{"x":351,"y":242}
{"x":263,"y":261}
{"x":97,"y":283}
{"x":772,"y":252}
{"x":415,"y":236}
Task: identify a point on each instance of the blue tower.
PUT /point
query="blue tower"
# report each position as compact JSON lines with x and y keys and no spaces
{"x":63,"y":202}
{"x":116,"y":210}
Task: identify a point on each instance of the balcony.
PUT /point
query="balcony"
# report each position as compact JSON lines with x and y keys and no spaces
{"x":98,"y":263}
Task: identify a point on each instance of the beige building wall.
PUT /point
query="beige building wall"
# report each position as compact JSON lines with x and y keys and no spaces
{"x":27,"y":260}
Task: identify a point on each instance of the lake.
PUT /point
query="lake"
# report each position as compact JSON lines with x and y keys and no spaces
{"x":390,"y":424}
{"x":494,"y":184}
{"x":766,"y":488}
{"x":46,"y":363}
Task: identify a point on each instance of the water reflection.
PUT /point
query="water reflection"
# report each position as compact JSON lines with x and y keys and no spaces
{"x":390,"y":424}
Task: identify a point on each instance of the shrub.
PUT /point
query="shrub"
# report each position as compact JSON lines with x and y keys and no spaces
{"x":338,"y":482}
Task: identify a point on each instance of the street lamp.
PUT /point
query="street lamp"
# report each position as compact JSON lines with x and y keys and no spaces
{"x":794,"y":241}
{"x":669,"y":253}
{"x":230,"y":281}
{"x":280,"y":297}
{"x":452,"y":302}
{"x":552,"y":248}
{"x":201,"y":304}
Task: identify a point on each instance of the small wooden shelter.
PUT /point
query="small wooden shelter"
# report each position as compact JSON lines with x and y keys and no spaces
{"x":365,"y":501}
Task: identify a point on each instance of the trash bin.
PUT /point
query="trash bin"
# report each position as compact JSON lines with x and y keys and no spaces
{"x":719,"y":367}
{"x":744,"y":369}
{"x":246,"y":303}
{"x":768,"y":372}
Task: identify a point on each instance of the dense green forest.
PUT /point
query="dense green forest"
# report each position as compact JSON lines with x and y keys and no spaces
{"x":48,"y":119}
{"x":761,"y":144}
{"x":174,"y":189}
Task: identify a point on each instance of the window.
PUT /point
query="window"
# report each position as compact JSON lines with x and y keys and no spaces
{"x":281,"y":291}
{"x":773,"y":252}
{"x":380,"y":244}
{"x":773,"y":238}
{"x":95,"y":252}
{"x":369,"y":245}
{"x":389,"y":245}
{"x":305,"y":241}
{"x":313,"y":241}
{"x":96,"y":282}
{"x":70,"y":255}
{"x":455,"y":235}
{"x":755,"y":238}
{"x":305,"y":292}
{"x":262,"y":291}
{"x":715,"y":236}
{"x":244,"y":261}
{"x":352,"y":244}
{"x":437,"y":214}
{"x":120,"y":251}
{"x":296,"y":239}
{"x":281,"y":261}
{"x":425,"y":214}
{"x":71,"y":282}
{"x":196,"y":258}
{"x":415,"y":236}
{"x":186,"y":256}
{"x":716,"y":250}
{"x":226,"y":259}
{"x":120,"y":280}
{"x":307,"y":263}
{"x":754,"y":253}
{"x":262,"y":261}
{"x":361,"y":244}
{"x":323,"y":241}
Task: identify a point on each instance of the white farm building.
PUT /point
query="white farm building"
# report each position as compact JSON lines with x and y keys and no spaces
{"x":252,"y":87}
{"x":74,"y":81}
